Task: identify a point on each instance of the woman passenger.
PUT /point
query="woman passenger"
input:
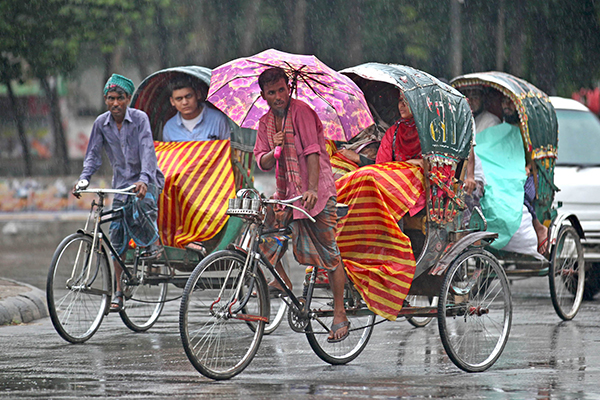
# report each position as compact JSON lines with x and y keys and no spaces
{"x":402,"y":137}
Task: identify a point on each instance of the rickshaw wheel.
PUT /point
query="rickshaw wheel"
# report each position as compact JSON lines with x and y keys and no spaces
{"x":474,"y":311}
{"x":421,"y":301}
{"x":145,"y":299}
{"x":567,"y":273}
{"x":361,"y":326}
{"x":219,"y":337}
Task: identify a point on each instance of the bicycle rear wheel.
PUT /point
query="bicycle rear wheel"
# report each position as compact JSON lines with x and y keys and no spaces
{"x":474,"y":311}
{"x":220,"y":328}
{"x":361,"y":325}
{"x":145,"y":297}
{"x":78,"y":288}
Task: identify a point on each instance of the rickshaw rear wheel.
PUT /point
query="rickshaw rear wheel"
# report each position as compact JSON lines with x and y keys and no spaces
{"x":567,"y":273}
{"x":421,"y":301}
{"x":145,"y":299}
{"x":361,"y":326}
{"x":221,"y":328}
{"x":474,"y":310}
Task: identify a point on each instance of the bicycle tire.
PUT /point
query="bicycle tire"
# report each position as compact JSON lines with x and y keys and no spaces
{"x":474,"y":311}
{"x":78,"y":296}
{"x":361,"y":326}
{"x":144,"y":300}
{"x":567,"y":273}
{"x":221,"y":344}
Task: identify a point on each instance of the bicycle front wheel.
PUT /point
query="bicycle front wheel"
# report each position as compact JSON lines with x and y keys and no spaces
{"x":223,"y":315}
{"x":361,"y":326}
{"x":145,"y":297}
{"x":78,"y":288}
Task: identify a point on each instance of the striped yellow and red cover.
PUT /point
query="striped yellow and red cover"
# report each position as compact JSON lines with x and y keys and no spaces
{"x":377,"y":255}
{"x":198,"y":183}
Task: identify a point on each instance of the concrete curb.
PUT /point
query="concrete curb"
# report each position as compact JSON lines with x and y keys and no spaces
{"x":24,"y":303}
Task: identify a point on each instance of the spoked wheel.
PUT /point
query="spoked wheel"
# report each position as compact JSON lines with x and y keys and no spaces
{"x":474,"y":311}
{"x":361,"y":326}
{"x":144,"y":297}
{"x":567,"y":273}
{"x":78,"y":288}
{"x":421,"y":301}
{"x":221,"y":327}
{"x":278,"y":305}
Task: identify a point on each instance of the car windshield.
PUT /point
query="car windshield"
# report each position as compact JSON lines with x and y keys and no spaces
{"x":578,"y":138}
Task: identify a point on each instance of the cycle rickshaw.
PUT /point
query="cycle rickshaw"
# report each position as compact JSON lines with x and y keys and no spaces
{"x":224,"y":306}
{"x":563,"y":263}
{"x":79,"y":285}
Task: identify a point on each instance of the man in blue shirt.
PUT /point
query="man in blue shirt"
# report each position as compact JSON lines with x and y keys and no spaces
{"x":194,"y":120}
{"x":125,"y":134}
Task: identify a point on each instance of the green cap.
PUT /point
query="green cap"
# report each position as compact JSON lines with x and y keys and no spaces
{"x":119,"y":81}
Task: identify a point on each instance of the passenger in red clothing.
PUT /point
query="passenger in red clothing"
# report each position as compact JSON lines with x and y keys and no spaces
{"x":402,"y":137}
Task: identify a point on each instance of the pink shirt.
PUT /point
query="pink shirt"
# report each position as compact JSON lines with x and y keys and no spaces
{"x":308,"y":139}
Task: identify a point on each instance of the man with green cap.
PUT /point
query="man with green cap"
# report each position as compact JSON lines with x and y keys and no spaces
{"x":125,"y":134}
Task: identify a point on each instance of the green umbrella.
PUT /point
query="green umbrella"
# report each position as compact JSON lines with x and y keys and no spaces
{"x":442,"y":115}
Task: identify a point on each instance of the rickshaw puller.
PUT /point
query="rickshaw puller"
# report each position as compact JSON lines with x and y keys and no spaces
{"x":125,"y":135}
{"x":304,"y":169}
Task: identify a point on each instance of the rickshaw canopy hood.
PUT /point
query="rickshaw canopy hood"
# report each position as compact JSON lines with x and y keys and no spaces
{"x":152,"y":95}
{"x":538,"y":123}
{"x":442,"y":114}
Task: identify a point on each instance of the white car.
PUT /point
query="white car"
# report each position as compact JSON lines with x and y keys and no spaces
{"x":577,"y":175}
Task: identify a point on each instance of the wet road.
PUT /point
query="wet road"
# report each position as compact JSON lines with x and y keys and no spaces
{"x":544,"y":358}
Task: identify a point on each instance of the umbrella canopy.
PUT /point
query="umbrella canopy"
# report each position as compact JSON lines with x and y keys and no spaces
{"x":442,"y":114}
{"x":338,"y":102}
{"x":152,"y":95}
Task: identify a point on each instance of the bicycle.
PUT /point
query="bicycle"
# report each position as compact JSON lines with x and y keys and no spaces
{"x":79,"y":287}
{"x":225,"y":303}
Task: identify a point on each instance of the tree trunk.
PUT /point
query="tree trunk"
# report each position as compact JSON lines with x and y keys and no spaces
{"x":163,"y":41}
{"x":500,"y":33}
{"x":456,"y":37}
{"x":545,"y":65}
{"x":20,"y":128}
{"x":354,"y":33}
{"x":61,"y":153}
{"x":298,"y":23}
{"x":249,"y":34}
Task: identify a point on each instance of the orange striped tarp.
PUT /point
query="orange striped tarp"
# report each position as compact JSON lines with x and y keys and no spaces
{"x":377,"y":255}
{"x":198,"y":184}
{"x":340,"y":165}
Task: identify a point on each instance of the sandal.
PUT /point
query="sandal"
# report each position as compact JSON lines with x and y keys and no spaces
{"x":117,"y":304}
{"x":543,"y":247}
{"x":151,"y":252}
{"x":337,"y":327}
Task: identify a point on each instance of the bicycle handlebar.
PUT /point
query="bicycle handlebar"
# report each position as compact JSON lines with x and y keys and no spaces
{"x":126,"y":191}
{"x":288,"y":203}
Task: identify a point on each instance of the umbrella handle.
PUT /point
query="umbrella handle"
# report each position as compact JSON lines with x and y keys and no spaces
{"x":277,"y":154}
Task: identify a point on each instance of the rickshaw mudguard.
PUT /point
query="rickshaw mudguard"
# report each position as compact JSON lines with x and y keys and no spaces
{"x":458,"y":248}
{"x":559,"y":221}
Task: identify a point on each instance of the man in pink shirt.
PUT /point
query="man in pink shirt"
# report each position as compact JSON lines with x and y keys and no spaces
{"x":304,"y":169}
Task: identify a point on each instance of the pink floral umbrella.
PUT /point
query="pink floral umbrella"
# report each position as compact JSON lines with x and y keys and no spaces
{"x":337,"y":100}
